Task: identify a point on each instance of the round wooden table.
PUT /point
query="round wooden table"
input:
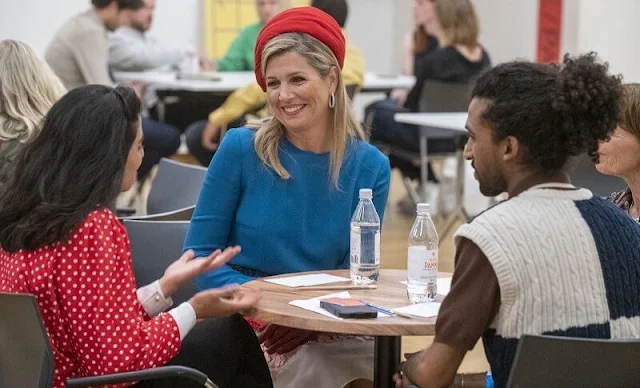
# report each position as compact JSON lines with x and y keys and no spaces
{"x":274,"y":308}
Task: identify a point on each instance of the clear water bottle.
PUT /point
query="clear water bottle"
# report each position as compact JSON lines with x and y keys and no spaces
{"x":422,"y":258}
{"x":365,"y":241}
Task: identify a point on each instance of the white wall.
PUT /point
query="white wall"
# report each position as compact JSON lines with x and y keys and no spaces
{"x":610,"y":28}
{"x":177,"y":22}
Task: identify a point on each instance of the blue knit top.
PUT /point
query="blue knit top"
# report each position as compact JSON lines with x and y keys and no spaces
{"x":283,"y":225}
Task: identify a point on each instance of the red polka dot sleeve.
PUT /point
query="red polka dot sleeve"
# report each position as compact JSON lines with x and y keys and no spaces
{"x":107,"y":328}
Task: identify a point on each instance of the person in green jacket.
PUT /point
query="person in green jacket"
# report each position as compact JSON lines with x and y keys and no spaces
{"x":239,"y":56}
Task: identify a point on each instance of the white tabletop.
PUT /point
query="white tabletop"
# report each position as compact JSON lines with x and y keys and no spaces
{"x":230,"y":81}
{"x":452,"y":120}
{"x":224,"y":82}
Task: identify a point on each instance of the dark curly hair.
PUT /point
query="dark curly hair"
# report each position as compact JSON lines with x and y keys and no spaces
{"x":555,"y":111}
{"x":72,"y":167}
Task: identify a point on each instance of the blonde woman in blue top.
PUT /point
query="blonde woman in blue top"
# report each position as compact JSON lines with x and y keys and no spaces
{"x":285,"y":191}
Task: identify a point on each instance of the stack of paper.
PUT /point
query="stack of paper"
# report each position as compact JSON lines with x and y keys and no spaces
{"x":308,"y":280}
{"x":422,"y":310}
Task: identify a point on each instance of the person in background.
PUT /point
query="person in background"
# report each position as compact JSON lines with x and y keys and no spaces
{"x":203,"y":137}
{"x":619,"y":155}
{"x":63,"y":244}
{"x":130,"y":49}
{"x":239,"y":55}
{"x":79,"y":52}
{"x":286,"y":188}
{"x":526,"y":120}
{"x":28,"y":88}
{"x":417,"y":44}
{"x":79,"y":55}
{"x":459,"y":58}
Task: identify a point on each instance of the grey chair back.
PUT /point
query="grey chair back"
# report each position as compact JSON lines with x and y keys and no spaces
{"x":26,"y":359}
{"x":583,"y":173}
{"x":154,"y":246}
{"x":545,"y":361}
{"x":176,"y":186}
{"x":440,"y":96}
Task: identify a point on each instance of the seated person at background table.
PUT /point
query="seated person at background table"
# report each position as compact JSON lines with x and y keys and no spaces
{"x":79,"y":55}
{"x":239,"y":55}
{"x":130,"y":49}
{"x":619,"y":155}
{"x":417,"y":44}
{"x":60,"y":241}
{"x":28,"y":88}
{"x":458,"y":60}
{"x":203,"y":137}
{"x":286,"y":189}
{"x":549,"y":260}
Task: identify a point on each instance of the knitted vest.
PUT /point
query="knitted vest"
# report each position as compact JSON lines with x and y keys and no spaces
{"x":567,"y":263}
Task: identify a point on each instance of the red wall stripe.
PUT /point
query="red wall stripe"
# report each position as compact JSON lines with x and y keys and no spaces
{"x":549,"y":31}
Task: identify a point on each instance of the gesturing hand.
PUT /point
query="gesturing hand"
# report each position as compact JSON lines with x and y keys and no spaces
{"x":221,"y":302}
{"x":186,"y":268}
{"x":282,"y":340}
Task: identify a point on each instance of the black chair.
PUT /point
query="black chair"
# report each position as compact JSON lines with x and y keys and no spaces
{"x":545,"y":361}
{"x":437,"y":97}
{"x":583,"y":173}
{"x":154,"y":246}
{"x":26,"y":358}
{"x":175,"y":186}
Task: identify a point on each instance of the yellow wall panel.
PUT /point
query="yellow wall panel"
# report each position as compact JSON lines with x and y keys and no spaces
{"x":224,"y":18}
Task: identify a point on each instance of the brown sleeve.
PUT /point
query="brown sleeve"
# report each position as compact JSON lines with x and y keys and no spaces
{"x":473,"y":301}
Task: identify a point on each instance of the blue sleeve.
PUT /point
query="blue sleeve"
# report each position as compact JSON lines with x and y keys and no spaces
{"x":215,"y":211}
{"x":380,"y":195}
{"x":381,"y":188}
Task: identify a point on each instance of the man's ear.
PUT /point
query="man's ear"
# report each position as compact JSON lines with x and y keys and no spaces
{"x":510,"y":148}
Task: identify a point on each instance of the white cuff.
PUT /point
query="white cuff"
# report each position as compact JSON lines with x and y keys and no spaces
{"x":153,"y":300}
{"x":185,"y":317}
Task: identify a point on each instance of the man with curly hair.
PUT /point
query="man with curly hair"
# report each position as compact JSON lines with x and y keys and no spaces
{"x":548,"y":260}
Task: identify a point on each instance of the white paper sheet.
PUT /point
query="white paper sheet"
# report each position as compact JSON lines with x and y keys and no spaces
{"x":308,"y":280}
{"x":314,"y":304}
{"x":422,"y":310}
{"x":444,"y":285}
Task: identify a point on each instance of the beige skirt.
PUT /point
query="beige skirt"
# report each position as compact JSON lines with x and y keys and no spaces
{"x":324,"y":364}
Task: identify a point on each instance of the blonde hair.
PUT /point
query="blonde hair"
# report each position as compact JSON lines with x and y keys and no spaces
{"x":345,"y":126}
{"x":458,"y":21}
{"x":28,"y":88}
{"x":630,"y":109}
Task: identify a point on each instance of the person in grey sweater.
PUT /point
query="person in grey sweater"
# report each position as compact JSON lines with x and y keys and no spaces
{"x":78,"y":53}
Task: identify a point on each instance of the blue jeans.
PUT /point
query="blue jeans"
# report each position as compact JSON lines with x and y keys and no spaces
{"x":160,"y":140}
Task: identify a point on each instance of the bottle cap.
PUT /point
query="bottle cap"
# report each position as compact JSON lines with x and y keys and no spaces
{"x":366,"y":194}
{"x":423,"y":208}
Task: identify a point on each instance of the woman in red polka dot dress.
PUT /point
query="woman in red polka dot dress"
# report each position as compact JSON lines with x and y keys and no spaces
{"x":60,"y":241}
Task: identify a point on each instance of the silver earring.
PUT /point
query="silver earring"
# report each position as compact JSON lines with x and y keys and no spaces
{"x":332,"y":100}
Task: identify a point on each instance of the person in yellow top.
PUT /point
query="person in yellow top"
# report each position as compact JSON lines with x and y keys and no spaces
{"x":203,"y":136}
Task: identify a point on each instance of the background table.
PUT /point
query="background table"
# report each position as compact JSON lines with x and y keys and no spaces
{"x":274,"y":308}
{"x":229,"y":81}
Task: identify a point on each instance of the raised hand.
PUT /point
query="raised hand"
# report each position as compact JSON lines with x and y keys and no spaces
{"x":186,"y":268}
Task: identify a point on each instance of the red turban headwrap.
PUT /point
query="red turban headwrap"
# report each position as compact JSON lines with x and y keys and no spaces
{"x":307,"y":20}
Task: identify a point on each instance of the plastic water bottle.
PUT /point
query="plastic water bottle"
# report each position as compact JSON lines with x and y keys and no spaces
{"x":365,"y":241}
{"x":422,"y":258}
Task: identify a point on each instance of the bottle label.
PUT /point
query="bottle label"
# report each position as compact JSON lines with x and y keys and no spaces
{"x":422,"y":263}
{"x":365,"y":245}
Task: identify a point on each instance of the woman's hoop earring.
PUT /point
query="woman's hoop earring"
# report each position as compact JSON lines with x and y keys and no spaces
{"x":332,"y":100}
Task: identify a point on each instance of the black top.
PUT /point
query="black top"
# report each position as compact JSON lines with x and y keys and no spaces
{"x":432,"y":45}
{"x":446,"y":65}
